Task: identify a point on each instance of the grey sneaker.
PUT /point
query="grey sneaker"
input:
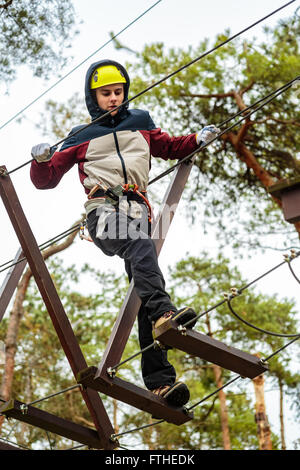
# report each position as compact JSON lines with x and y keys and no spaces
{"x":177,"y":394}
{"x":182,"y":316}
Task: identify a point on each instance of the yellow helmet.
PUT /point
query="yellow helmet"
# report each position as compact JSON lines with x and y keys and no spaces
{"x":106,"y":75}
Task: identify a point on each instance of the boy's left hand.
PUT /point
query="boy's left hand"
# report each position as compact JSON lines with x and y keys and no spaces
{"x":207,"y":134}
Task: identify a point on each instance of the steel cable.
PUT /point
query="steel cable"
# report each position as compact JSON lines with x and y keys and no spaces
{"x":270,"y":333}
{"x":292,"y":271}
{"x":79,"y":65}
{"x":234,"y":379}
{"x":203,"y":146}
{"x":43,"y":246}
{"x":150,"y":87}
{"x":237,"y":377}
{"x":269,"y":98}
{"x":112,"y":370}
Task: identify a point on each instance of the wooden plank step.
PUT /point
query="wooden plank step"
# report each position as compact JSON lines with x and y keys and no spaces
{"x":210,"y":349}
{"x":49,"y":422}
{"x":134,"y":396}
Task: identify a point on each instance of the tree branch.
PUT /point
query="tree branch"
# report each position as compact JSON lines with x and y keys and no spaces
{"x":249,"y":158}
{"x":210,"y":95}
{"x":6,"y":5}
{"x":247,"y":88}
{"x":282,"y":121}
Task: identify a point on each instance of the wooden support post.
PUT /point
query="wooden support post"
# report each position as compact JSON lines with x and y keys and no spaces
{"x":11,"y":281}
{"x":131,"y":304}
{"x":44,"y":420}
{"x":54,"y":305}
{"x":288,"y":191}
{"x":210,"y":349}
{"x":134,"y":396}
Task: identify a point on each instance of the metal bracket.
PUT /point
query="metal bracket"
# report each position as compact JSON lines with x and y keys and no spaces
{"x":111,"y":372}
{"x":24,"y":409}
{"x":182,"y":329}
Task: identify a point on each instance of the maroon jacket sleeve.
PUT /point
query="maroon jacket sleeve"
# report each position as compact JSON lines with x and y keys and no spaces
{"x":171,"y":148}
{"x":46,"y":175}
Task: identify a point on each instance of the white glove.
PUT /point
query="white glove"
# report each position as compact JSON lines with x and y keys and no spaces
{"x":41,"y":153}
{"x":207,"y":134}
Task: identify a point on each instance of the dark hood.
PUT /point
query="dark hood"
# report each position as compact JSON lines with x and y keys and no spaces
{"x":93,"y":108}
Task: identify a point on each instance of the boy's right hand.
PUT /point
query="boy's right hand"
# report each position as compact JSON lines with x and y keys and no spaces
{"x":41,"y":153}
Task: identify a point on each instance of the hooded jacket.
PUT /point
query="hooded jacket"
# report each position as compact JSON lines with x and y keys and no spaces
{"x":115,"y":150}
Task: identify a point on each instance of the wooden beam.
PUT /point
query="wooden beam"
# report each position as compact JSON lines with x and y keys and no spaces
{"x":54,"y":305}
{"x":210,"y":349}
{"x":6,"y":446}
{"x":291,"y":205}
{"x":288,"y":190}
{"x":11,"y":281}
{"x":51,"y":423}
{"x":123,"y":326}
{"x":134,"y":396}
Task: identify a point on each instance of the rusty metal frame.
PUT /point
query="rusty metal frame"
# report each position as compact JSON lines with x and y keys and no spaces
{"x":98,"y":380}
{"x":44,"y":420}
{"x":54,"y":306}
{"x":11,"y":281}
{"x":6,"y":446}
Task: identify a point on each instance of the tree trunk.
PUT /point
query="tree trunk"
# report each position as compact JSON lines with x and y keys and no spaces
{"x":222,"y":397}
{"x":11,"y":338}
{"x":246,"y":155}
{"x":261,"y":419}
{"x":223,"y":408}
{"x":115,"y":414}
{"x":15,"y":319}
{"x":282,"y":433}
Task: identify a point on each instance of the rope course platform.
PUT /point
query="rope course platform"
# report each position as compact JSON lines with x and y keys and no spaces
{"x":91,"y":380}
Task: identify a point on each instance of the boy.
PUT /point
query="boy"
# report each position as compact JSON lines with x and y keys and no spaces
{"x":113,"y":157}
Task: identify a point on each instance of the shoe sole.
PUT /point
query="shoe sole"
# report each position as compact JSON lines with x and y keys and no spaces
{"x":185,"y":316}
{"x":178,"y":395}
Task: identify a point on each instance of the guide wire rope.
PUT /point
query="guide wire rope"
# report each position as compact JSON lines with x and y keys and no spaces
{"x":225,"y":131}
{"x":228,"y":297}
{"x":268,"y":97}
{"x":43,"y":246}
{"x":77,"y":66}
{"x":114,"y":437}
{"x":166,"y":77}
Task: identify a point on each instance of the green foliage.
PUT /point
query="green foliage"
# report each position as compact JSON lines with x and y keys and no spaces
{"x":223,"y":191}
{"x":200,"y":282}
{"x":223,"y":188}
{"x":59,"y":118}
{"x":34,"y":33}
{"x":42,"y":368}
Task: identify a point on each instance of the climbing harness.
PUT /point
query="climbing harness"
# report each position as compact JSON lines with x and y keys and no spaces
{"x":82,"y":234}
{"x":113,"y":195}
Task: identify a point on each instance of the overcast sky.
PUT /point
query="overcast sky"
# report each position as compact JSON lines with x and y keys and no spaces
{"x":177,"y":24}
